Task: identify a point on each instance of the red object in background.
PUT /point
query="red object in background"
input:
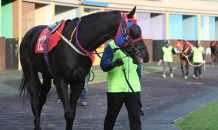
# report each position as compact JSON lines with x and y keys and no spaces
{"x":190,"y":46}
{"x":214,"y":43}
{"x":93,"y":58}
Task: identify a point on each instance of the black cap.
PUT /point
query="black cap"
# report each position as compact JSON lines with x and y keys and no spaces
{"x":197,"y":42}
{"x":166,"y":41}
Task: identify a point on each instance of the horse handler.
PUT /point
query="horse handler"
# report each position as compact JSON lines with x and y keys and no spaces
{"x":198,"y":53}
{"x":118,"y":91}
{"x":167,"y":57}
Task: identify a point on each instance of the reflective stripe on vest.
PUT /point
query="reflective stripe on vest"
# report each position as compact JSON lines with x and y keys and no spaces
{"x":168,"y":54}
{"x":198,"y":56}
{"x":116,"y":81}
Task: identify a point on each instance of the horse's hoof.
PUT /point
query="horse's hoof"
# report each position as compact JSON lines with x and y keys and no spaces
{"x":185,"y":77}
{"x":193,"y":76}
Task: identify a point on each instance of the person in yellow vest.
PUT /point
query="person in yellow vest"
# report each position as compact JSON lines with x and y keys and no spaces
{"x":118,"y":91}
{"x":198,"y":53}
{"x":167,"y":57}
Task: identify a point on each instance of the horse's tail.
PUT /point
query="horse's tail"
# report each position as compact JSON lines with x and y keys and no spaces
{"x":23,"y":86}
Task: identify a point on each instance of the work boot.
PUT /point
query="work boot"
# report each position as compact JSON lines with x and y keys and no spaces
{"x":171,"y":75}
{"x":163,"y":76}
{"x":200,"y":76}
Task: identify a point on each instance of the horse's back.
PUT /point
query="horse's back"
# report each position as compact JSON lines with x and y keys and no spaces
{"x":30,"y":38}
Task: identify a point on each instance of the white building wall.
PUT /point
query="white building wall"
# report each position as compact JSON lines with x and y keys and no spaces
{"x":206,"y":28}
{"x":63,"y":13}
{"x":49,"y":14}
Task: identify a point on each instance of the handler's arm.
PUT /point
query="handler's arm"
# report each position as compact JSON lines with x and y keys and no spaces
{"x":173,"y":51}
{"x":139,"y":72}
{"x":191,"y":53}
{"x":161,"y":56}
{"x":203,"y":54}
{"x":106,"y":63}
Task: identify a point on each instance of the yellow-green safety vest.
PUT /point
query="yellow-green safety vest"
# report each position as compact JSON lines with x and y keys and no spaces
{"x":198,"y":54}
{"x":115,"y":79}
{"x":168,"y":54}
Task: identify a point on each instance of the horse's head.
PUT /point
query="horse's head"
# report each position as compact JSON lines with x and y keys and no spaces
{"x":179,"y":46}
{"x":129,"y":38}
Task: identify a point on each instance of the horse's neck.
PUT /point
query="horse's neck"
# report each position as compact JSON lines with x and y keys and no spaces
{"x":95,"y":33}
{"x":185,"y":48}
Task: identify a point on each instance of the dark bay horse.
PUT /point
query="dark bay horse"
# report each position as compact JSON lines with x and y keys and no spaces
{"x":68,"y":66}
{"x":214,"y":51}
{"x":183,"y":48}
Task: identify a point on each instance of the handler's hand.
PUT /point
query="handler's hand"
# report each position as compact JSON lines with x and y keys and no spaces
{"x":204,"y":61}
{"x":117,"y":62}
{"x":186,"y":57}
{"x":160,"y":61}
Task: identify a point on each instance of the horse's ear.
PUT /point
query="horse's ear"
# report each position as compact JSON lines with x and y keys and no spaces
{"x":131,"y":14}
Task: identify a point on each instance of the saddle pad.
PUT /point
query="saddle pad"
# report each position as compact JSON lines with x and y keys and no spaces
{"x":190,"y":46}
{"x":214,"y":43}
{"x":52,"y":41}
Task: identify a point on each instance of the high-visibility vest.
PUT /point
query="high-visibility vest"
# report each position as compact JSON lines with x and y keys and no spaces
{"x":116,"y":81}
{"x":168,"y":54}
{"x":198,"y":56}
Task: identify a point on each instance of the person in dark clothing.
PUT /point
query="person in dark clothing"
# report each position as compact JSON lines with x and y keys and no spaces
{"x":198,"y":53}
{"x":167,"y":57}
{"x":118,"y":91}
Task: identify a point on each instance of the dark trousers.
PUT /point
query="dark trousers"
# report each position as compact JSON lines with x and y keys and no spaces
{"x":196,"y":69}
{"x":115,"y":102}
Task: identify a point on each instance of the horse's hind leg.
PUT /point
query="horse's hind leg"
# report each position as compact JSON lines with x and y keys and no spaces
{"x":69,"y":112}
{"x":216,"y":58}
{"x":31,"y":76}
{"x":212,"y":58}
{"x":45,"y":89}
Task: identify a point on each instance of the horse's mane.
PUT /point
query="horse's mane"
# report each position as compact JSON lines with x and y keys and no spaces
{"x":98,"y":15}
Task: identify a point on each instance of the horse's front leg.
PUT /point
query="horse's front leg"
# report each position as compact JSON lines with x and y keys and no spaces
{"x":74,"y":95}
{"x":62,"y":87}
{"x":187,"y":69}
{"x":182,"y":60}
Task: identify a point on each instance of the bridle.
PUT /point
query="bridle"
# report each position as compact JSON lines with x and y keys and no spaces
{"x":123,"y":34}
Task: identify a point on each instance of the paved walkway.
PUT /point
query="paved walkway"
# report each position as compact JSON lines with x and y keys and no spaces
{"x":164,"y":100}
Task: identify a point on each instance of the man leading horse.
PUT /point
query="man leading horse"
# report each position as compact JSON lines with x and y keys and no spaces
{"x":198,"y":53}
